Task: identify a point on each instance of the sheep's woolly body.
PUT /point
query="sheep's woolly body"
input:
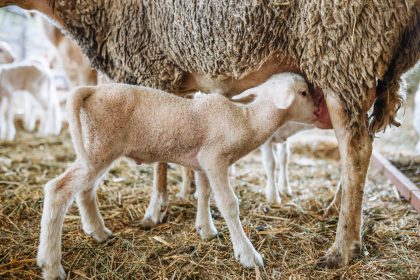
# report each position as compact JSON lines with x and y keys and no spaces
{"x":344,"y":46}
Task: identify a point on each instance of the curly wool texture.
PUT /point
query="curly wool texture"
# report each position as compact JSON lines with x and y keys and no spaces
{"x":344,"y":46}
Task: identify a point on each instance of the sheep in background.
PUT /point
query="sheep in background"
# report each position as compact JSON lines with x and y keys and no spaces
{"x":280,"y":137}
{"x":31,"y":80}
{"x":6,"y":53}
{"x":68,"y":54}
{"x":412,"y":82}
{"x":114,"y":120}
{"x":416,"y":121}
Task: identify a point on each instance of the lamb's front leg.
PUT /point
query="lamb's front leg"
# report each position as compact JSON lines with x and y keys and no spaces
{"x":355,"y":147}
{"x":158,"y":205}
{"x":228,"y":204}
{"x":204,"y":222}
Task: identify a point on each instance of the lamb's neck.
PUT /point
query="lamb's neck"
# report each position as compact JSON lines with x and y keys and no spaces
{"x":264,"y":118}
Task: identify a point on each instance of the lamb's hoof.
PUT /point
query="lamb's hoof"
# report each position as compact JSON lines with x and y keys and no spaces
{"x":207,"y":232}
{"x":51,"y":272}
{"x":148,"y":223}
{"x":249,"y":257}
{"x":102,"y":235}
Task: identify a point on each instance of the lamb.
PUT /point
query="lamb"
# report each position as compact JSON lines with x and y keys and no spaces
{"x":355,"y":52}
{"x":114,"y":120}
{"x":6,"y":53}
{"x":33,"y":80}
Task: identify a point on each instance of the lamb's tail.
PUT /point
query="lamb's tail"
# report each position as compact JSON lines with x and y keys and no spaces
{"x":74,"y":104}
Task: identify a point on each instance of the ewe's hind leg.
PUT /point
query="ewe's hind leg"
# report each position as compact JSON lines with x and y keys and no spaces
{"x":283,"y":162}
{"x":92,"y":221}
{"x":59,"y":194}
{"x":204,"y":222}
{"x":355,"y":150}
{"x":158,"y":205}
{"x":271,"y":191}
{"x":227,"y":202}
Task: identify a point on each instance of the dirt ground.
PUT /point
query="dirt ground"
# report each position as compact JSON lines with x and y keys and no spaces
{"x":291,"y":236}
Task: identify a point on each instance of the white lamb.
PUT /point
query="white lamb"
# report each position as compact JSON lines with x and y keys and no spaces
{"x":207,"y":134}
{"x":33,"y":81}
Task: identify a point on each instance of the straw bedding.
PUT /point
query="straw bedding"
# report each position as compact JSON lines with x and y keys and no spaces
{"x":291,"y":237}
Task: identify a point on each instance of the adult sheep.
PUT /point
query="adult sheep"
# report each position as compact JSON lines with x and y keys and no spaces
{"x":355,"y":51}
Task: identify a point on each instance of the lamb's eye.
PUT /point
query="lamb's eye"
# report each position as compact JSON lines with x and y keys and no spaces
{"x":303,"y":93}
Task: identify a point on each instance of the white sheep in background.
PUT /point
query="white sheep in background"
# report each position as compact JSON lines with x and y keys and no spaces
{"x":412,"y":85}
{"x":270,"y":163}
{"x":114,"y":120}
{"x":34,"y":82}
{"x":6,"y":53}
{"x":416,"y":121}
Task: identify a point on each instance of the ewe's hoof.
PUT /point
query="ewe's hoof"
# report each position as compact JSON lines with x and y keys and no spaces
{"x":102,"y":235}
{"x":335,"y":258}
{"x":331,"y":259}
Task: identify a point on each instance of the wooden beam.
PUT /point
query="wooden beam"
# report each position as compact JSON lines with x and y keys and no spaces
{"x":406,"y":188}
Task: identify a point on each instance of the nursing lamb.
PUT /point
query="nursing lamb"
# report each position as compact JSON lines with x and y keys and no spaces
{"x":114,"y":120}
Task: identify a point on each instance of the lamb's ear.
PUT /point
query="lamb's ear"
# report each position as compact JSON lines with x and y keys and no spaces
{"x":246,"y":96}
{"x":284,"y":100}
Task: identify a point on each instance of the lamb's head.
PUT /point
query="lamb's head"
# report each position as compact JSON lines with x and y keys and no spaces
{"x":287,"y":91}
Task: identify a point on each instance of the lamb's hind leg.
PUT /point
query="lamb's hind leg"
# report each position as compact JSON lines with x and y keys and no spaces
{"x":158,"y":205}
{"x":227,"y":202}
{"x":92,"y":221}
{"x":59,"y":194}
{"x":355,"y":147}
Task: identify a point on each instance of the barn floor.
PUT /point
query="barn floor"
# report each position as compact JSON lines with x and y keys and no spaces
{"x":291,"y":237}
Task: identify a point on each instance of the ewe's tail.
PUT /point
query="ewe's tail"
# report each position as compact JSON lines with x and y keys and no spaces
{"x":74,"y":104}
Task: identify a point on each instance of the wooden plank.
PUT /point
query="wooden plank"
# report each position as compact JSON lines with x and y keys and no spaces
{"x":406,"y":188}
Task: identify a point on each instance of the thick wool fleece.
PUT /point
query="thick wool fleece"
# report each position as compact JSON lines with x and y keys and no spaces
{"x":345,"y":46}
